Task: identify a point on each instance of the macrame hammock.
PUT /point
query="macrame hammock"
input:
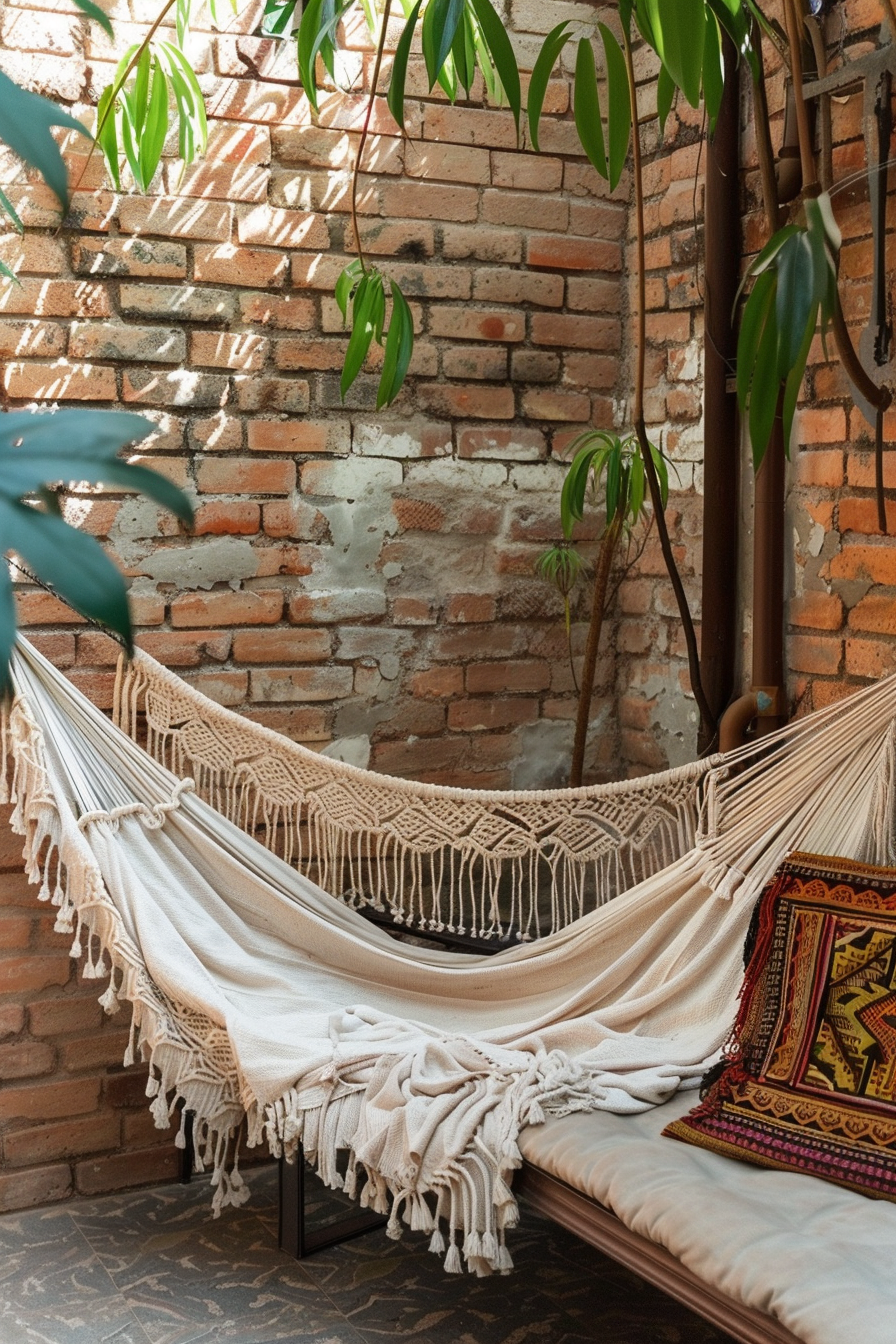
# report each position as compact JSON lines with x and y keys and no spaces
{"x":198,"y":873}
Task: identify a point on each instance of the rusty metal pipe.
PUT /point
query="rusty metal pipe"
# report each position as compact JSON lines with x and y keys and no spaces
{"x":721,"y":458}
{"x":738,"y":717}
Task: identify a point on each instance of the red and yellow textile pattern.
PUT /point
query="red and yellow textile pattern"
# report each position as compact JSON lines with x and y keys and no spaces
{"x":809,"y":1078}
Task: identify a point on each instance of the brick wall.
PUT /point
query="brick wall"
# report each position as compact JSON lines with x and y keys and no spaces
{"x":362,"y":582}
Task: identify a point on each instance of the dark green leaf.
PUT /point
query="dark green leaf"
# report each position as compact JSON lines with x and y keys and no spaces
{"x":793,"y":300}
{"x":764,"y":389}
{"x":277,"y":17}
{"x":312,"y":32}
{"x":399,"y":349}
{"x":637,"y":488}
{"x":140,"y":95}
{"x":587,"y":107}
{"x":662,"y":472}
{"x":363,"y":309}
{"x":766,"y":256}
{"x":440,"y":22}
{"x":94,"y":12}
{"x":346,"y":285}
{"x":465,"y":69}
{"x":614,"y":480}
{"x":554,"y":43}
{"x":713,"y":71}
{"x":74,"y":564}
{"x":25,"y":121}
{"x":94,"y":433}
{"x":752,"y":322}
{"x":678,"y":33}
{"x":794,"y":383}
{"x":619,"y":110}
{"x":502,"y":54}
{"x":665,"y":96}
{"x":395,"y":96}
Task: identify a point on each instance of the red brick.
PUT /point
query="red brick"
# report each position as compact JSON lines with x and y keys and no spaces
{"x":418,"y":515}
{"x":64,"y":1015}
{"x":470,"y":608}
{"x":99,"y":1051}
{"x":463,"y":401}
{"x":298,"y":436}
{"x":281,"y":646}
{"x":242,"y":351}
{"x":12,"y":1019}
{"x":186,"y":648}
{"x":821,"y":425}
{"x":50,"y":1100}
{"x":817,"y":611}
{"x":822,"y":468}
{"x":871,"y":658}
{"x":582,"y":333}
{"x":15,"y":930}
{"x":26,"y":1059}
{"x":227,"y":608}
{"x":491,"y":713}
{"x":25,"y":1189}
{"x":815,"y":653}
{"x":874,"y":563}
{"x":124,"y":1171}
{"x":413,"y":611}
{"x":438,"y":683}
{"x":239,"y":518}
{"x":54,"y":298}
{"x":19,"y":975}
{"x":546,"y":404}
{"x":70,"y":1138}
{"x":471,"y":324}
{"x":875,"y":613}
{"x":860,"y":515}
{"x":218,"y":476}
{"x":59,"y":382}
{"x":508,"y":676}
{"x":573,"y":254}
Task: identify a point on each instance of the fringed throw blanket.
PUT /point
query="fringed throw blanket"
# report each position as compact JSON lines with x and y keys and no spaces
{"x":254,"y":994}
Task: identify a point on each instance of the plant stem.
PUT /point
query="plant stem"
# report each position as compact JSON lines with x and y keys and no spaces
{"x":793,"y":20}
{"x":589,"y":666}
{"x":356,"y":169}
{"x":764,"y":152}
{"x":656,"y":494}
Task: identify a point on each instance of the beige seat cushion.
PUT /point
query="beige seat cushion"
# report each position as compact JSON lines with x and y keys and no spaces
{"x":821,"y":1259}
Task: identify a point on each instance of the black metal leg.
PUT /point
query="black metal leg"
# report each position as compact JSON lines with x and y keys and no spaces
{"x":294,"y":1238}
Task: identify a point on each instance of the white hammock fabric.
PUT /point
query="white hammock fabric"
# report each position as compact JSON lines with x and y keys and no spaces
{"x":255,"y":994}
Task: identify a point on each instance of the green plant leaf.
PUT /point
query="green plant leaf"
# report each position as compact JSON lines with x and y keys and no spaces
{"x":155,"y":127}
{"x":313,"y":31}
{"x":346,"y":285}
{"x":766,"y":256}
{"x":464,"y":67}
{"x":182,"y":20}
{"x":107,"y":135}
{"x":9,"y":274}
{"x":9,"y":210}
{"x":637,"y":488}
{"x":277,"y":18}
{"x":665,"y":96}
{"x":794,"y":300}
{"x":586,"y":107}
{"x":72,"y":562}
{"x":140,"y":93}
{"x":363,"y":309}
{"x":762,"y":295}
{"x":98,"y":15}
{"x":398,"y":79}
{"x":193,"y":123}
{"x":677,"y":36}
{"x":553,"y":44}
{"x":7,"y":628}
{"x":793,"y":384}
{"x":441,"y":19}
{"x":399,"y":349}
{"x":502,"y":54}
{"x":713,"y":71}
{"x":619,"y":111}
{"x":662,"y":471}
{"x":25,"y":121}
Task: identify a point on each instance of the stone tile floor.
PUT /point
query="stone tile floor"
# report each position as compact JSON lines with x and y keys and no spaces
{"x":153,"y":1267}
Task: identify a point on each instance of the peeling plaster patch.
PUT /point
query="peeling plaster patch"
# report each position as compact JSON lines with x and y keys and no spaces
{"x":674,"y":720}
{"x":351,"y":750}
{"x":815,"y":539}
{"x":357,"y":718}
{"x":219,"y":560}
{"x":545,"y":754}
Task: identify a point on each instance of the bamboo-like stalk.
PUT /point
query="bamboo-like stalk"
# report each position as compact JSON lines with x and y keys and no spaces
{"x":356,"y":168}
{"x":608,"y":546}
{"x":708,"y":724}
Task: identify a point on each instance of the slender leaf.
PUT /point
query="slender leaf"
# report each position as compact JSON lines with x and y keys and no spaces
{"x":713,"y":71}
{"x":107,"y":137}
{"x":71,"y":561}
{"x":793,"y":384}
{"x":193,"y":125}
{"x":9,"y":210}
{"x":678,"y":35}
{"x":465,"y":69}
{"x":752,"y":323}
{"x":94,"y":12}
{"x":440,"y":23}
{"x":794,"y":300}
{"x":665,"y":96}
{"x":79,"y":432}
{"x":346,"y":285}
{"x":182,"y":20}
{"x":312,"y":32}
{"x":399,"y":349}
{"x":501,"y":50}
{"x":764,"y":389}
{"x":637,"y":487}
{"x":554,"y":43}
{"x":278,"y":17}
{"x":662,"y":471}
{"x":9,"y":274}
{"x":362,"y":329}
{"x":155,"y":129}
{"x":586,"y":107}
{"x":766,"y":256}
{"x":483,"y":55}
{"x":395,"y":96}
{"x":25,"y":121}
{"x":619,"y":111}
{"x":140,"y":94}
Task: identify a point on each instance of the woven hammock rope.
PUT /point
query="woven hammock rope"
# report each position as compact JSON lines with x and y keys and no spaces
{"x":493,"y":864}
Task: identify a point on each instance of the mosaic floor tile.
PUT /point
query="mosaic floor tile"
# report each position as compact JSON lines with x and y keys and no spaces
{"x":154,"y":1267}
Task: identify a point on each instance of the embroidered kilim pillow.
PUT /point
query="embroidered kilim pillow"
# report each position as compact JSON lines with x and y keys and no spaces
{"x":809,"y":1078}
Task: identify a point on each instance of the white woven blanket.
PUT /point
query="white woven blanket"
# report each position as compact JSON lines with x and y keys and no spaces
{"x":255,"y":994}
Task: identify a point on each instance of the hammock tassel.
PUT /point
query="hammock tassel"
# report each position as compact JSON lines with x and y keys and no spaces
{"x":453,"y":1262}
{"x":437,"y":1241}
{"x":109,"y":1000}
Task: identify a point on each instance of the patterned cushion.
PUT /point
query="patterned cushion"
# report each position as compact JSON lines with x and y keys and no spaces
{"x":808,"y":1082}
